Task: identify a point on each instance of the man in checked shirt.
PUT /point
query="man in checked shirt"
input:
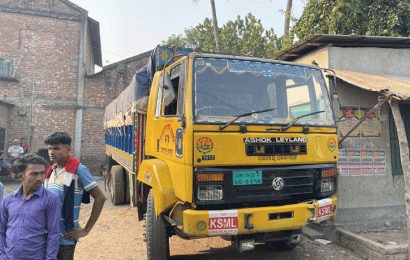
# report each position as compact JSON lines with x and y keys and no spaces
{"x":30,"y":216}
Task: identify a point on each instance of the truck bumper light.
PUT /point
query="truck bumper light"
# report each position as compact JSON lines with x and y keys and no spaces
{"x":246,"y":245}
{"x":327,"y":185}
{"x":201,"y":225}
{"x":210,"y":192}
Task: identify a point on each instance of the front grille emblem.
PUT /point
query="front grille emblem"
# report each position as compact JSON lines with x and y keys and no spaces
{"x":278,"y":183}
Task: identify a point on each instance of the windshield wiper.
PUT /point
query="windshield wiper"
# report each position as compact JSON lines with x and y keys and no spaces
{"x":297,"y":118}
{"x":245,"y":114}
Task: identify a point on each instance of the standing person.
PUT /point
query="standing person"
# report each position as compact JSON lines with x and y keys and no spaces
{"x":43,"y":152}
{"x":1,"y":159}
{"x":24,"y":145}
{"x":1,"y":191}
{"x":68,"y":178}
{"x":30,"y":216}
{"x":1,"y":184}
{"x":15,"y":151}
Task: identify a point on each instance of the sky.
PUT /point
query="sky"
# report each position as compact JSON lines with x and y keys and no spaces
{"x":131,"y":27}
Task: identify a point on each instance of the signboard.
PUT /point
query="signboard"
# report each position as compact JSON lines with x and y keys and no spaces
{"x":224,"y":222}
{"x":370,"y":127}
{"x":325,"y":210}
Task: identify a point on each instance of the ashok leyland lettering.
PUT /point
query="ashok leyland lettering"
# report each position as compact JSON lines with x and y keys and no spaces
{"x":237,"y":147}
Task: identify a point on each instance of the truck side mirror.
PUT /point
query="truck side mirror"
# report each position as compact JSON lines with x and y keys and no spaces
{"x":166,"y":86}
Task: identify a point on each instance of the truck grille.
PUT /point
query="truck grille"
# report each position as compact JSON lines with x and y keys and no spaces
{"x":294,"y":183}
{"x":273,"y":185}
{"x":275,"y":149}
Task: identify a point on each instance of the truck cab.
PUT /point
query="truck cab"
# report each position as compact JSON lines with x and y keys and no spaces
{"x":239,"y":147}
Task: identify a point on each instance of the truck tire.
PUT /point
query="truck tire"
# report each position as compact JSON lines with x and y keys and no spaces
{"x":117,"y":185}
{"x":156,"y":232}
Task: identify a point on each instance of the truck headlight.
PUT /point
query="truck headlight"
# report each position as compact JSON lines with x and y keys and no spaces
{"x":210,"y":192}
{"x":327,"y":185}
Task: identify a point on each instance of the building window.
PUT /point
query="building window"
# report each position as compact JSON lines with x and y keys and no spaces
{"x":6,"y":68}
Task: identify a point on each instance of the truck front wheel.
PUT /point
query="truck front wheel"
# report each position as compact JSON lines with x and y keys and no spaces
{"x":157,"y":237}
{"x":117,"y":185}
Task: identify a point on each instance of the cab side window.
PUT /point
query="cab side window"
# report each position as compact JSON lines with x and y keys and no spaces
{"x":171,"y":109}
{"x":177,"y":76}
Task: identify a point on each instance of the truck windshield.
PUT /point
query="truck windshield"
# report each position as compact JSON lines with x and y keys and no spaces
{"x":226,"y":88}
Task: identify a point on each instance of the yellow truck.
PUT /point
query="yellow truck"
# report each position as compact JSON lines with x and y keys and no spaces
{"x":239,"y":147}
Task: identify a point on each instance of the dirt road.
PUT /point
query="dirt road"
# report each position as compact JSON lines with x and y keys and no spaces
{"x":119,"y":235}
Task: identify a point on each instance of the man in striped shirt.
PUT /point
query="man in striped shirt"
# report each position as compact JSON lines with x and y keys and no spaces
{"x":70,"y":180}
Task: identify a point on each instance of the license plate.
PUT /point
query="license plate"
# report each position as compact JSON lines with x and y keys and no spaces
{"x":247,"y":177}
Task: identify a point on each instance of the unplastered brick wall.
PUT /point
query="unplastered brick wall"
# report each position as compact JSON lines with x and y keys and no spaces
{"x":4,"y":112}
{"x":18,"y":124}
{"x":42,"y":38}
{"x":93,"y":139}
{"x":9,"y":89}
{"x":100,"y":90}
{"x":49,"y":120}
{"x":44,"y":52}
{"x":62,"y":7}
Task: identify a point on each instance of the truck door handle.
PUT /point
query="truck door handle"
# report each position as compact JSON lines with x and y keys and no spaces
{"x":247,"y":216}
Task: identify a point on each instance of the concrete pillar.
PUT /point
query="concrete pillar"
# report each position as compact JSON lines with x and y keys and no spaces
{"x":80,"y":89}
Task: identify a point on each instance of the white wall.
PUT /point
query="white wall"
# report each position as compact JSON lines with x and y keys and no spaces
{"x":375,"y":198}
{"x":372,"y":60}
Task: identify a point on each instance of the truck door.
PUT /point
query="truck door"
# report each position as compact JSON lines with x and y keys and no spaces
{"x":170,"y":116}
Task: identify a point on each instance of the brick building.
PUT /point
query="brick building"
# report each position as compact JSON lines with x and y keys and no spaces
{"x":46,"y":49}
{"x":100,"y":89}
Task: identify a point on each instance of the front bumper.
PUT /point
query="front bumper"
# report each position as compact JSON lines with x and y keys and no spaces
{"x":202,"y":223}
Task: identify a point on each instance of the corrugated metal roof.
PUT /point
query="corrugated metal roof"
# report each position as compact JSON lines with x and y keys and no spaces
{"x":317,"y":41}
{"x":378,"y":83}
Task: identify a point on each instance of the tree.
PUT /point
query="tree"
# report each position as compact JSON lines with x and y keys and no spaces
{"x":364,"y":17}
{"x":215,"y":24}
{"x":242,"y":36}
{"x":287,"y":19}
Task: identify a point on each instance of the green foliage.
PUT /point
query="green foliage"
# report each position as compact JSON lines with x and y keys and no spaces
{"x":242,"y":36}
{"x":362,"y":17}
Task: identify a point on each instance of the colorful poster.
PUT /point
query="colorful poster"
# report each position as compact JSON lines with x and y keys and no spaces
{"x":362,"y":162}
{"x":348,"y":121}
{"x":379,"y":162}
{"x":370,"y":127}
{"x":342,"y":165}
{"x":366,"y":157}
{"x":353,"y":160}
